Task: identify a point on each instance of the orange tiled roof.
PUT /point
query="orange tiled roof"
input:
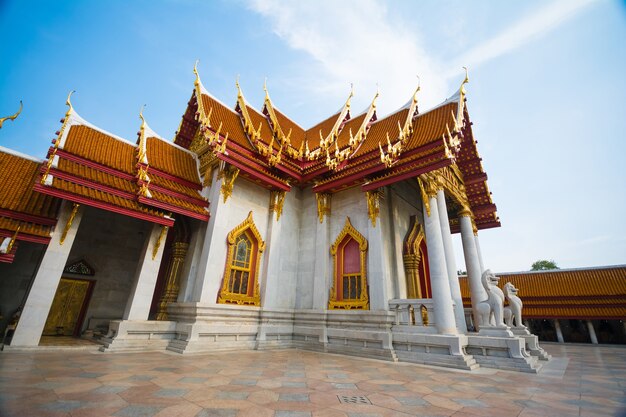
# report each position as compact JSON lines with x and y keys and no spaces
{"x":568,"y":293}
{"x":287,"y":125}
{"x":231,"y":122}
{"x":96,"y":146}
{"x":17,"y":176}
{"x":168,"y":158}
{"x":96,"y":176}
{"x":378,"y":132}
{"x":101,"y":196}
{"x":25,"y":227}
{"x":312,"y":134}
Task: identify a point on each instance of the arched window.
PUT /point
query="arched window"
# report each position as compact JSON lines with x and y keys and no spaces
{"x":349,"y":289}
{"x":415,"y":256}
{"x":240,"y":284}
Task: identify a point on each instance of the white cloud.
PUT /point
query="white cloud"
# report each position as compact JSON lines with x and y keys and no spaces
{"x":360,"y":42}
{"x":523,"y":31}
{"x":355,"y":41}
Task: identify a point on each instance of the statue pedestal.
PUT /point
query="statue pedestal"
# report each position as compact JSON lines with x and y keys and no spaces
{"x":532,"y":343}
{"x":495,"y":331}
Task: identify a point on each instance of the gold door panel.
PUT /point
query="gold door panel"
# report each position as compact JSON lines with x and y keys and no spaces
{"x":66,"y":307}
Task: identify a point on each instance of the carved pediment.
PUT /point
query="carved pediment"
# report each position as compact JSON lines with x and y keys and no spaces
{"x":80,"y":268}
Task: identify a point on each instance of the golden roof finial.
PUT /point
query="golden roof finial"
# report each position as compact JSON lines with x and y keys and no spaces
{"x":239,"y":93}
{"x":267,"y":94}
{"x":143,"y":121}
{"x":141,"y":148}
{"x":419,"y":86}
{"x":68,"y":102}
{"x":12,"y":117}
{"x":375,"y":97}
{"x":195,"y":71}
{"x":465,"y":81}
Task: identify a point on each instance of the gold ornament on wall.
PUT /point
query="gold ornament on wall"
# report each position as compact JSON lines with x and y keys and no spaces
{"x":323,"y":205}
{"x":277,"y":200}
{"x":69,"y":222}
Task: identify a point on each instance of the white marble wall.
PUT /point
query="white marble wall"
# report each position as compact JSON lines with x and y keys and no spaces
{"x":308,"y":223}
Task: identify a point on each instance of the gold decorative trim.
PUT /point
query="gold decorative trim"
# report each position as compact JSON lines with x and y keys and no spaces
{"x":412,"y":258}
{"x":228,"y":174}
{"x":12,"y":117}
{"x":172,"y":285}
{"x":277,"y":200}
{"x":253,"y":134}
{"x":69,"y":222}
{"x":373,"y":204}
{"x":323,"y":205}
{"x":157,"y":244}
{"x":362,"y":302}
{"x":405,"y":131}
{"x":9,"y":247}
{"x":225,"y":296}
{"x":333,"y":161}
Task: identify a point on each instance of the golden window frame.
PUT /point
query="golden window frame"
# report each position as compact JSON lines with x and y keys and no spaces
{"x":252,"y":297}
{"x":362,"y":302}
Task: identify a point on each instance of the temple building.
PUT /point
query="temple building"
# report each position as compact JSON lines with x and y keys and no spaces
{"x":248,"y":231}
{"x":581,"y":305}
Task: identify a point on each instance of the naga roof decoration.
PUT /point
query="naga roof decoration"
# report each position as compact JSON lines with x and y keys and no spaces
{"x":585,"y":293}
{"x":340,"y":152}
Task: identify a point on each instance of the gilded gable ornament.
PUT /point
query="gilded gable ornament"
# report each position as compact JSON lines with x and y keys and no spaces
{"x":79,"y":268}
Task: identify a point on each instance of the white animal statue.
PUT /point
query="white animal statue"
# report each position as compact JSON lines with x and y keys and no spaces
{"x":493,"y":306}
{"x":514,"y":311}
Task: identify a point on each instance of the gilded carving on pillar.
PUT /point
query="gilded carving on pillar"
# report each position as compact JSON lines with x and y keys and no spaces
{"x":323,"y":205}
{"x":373,"y":204}
{"x":69,"y":222}
{"x":412,"y":255}
{"x":157,"y":244}
{"x":172,"y":283}
{"x":228,"y":174}
{"x":277,"y":200}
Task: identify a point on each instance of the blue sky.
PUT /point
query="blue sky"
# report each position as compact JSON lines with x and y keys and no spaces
{"x":546,"y":91}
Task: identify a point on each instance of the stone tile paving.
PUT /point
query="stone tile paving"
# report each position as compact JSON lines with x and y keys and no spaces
{"x":580,"y":381}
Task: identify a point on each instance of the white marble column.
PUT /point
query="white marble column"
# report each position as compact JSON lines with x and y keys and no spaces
{"x":455,"y":288}
{"x":140,"y":299}
{"x":214,"y":248}
{"x":378,"y":268}
{"x":472,"y":264}
{"x":269,"y":285}
{"x":190,"y":268}
{"x":592,"y":332}
{"x":480,"y":254}
{"x":41,"y":295}
{"x":444,"y":312}
{"x":322,"y":273}
{"x":559,"y":333}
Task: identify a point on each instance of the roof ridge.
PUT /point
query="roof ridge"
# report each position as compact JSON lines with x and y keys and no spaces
{"x":590,"y":268}
{"x":20,"y":154}
{"x":74,"y":119}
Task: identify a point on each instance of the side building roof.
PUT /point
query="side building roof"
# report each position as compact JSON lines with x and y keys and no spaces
{"x":582,"y":293}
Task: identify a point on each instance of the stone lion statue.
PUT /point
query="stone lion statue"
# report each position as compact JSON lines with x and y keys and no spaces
{"x":493,"y":306}
{"x":514,"y":311}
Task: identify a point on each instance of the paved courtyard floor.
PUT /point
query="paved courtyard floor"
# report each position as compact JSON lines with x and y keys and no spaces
{"x":580,"y":381}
